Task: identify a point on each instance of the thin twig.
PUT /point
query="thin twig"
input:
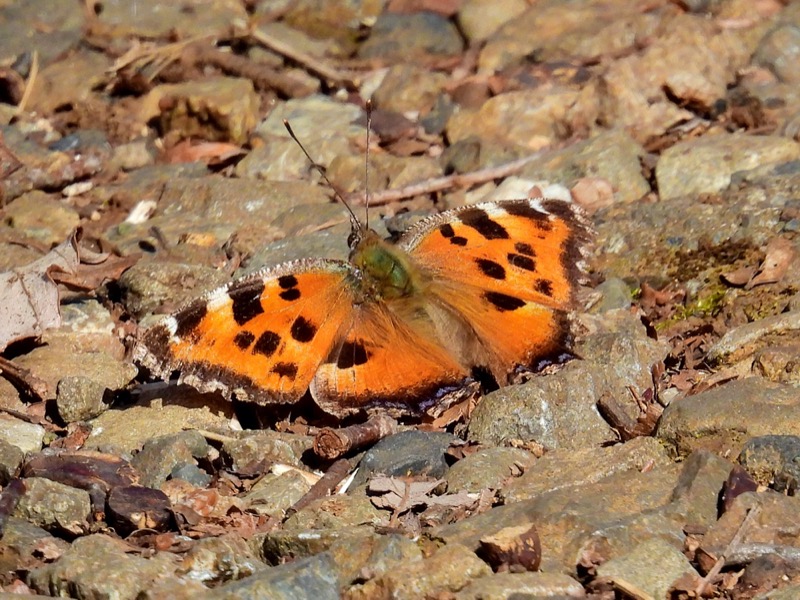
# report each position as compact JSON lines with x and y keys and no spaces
{"x":26,"y":94}
{"x":439,"y":184}
{"x":729,"y":550}
{"x":22,"y":379}
{"x":335,"y":473}
{"x":310,"y":63}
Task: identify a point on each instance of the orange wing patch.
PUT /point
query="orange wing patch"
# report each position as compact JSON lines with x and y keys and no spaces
{"x":384,"y":361}
{"x":263,"y":337}
{"x":526,"y":249}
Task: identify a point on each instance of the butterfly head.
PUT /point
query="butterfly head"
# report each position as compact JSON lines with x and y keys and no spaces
{"x":387,"y":271}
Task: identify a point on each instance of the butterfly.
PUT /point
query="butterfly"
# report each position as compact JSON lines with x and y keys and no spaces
{"x":483,"y":289}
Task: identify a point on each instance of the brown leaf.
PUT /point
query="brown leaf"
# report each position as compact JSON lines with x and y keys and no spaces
{"x":780,"y":254}
{"x":29,"y":299}
{"x":739,"y":277}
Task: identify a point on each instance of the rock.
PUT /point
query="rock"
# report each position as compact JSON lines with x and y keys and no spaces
{"x":214,"y":109}
{"x":42,"y":217}
{"x":273,"y":494}
{"x":375,"y":554}
{"x":323,"y":125}
{"x":253,"y":446}
{"x":129,"y":429}
{"x":79,"y":398}
{"x":507,"y":586}
{"x":40,"y":26}
{"x":133,"y":508}
{"x":69,"y":82}
{"x":697,"y":492}
{"x":449,"y":569}
{"x":755,"y":338}
{"x":613,"y":155}
{"x":405,"y":37}
{"x":479,"y":19}
{"x":160,"y":455}
{"x":192,"y":474}
{"x":10,"y":460}
{"x":528,"y":119}
{"x":337,"y":20}
{"x":772,"y":460}
{"x":313,"y":577}
{"x":779,"y":51}
{"x":724,"y":418}
{"x":565,"y":468}
{"x":54,"y":506}
{"x":28,"y":437}
{"x":404,"y":454}
{"x":98,"y":566}
{"x":779,"y":363}
{"x":25,"y":541}
{"x":648,"y":570}
{"x":407,"y":88}
{"x":276,"y":546}
{"x":559,"y":410}
{"x":489,"y":468}
{"x":216,"y":560}
{"x":334,"y":512}
{"x":705,"y":165}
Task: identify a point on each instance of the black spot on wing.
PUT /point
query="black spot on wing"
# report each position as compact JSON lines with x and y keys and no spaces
{"x":504,"y":302}
{"x":189,"y":319}
{"x":491,"y":268}
{"x":244,"y":339}
{"x":290,"y":295}
{"x":525,"y":249}
{"x":303,"y":330}
{"x":352,"y":355}
{"x":246,"y":301}
{"x":525,"y":210}
{"x":544,"y":286}
{"x":449,"y":233}
{"x":287,"y":281}
{"x":480,"y":221}
{"x":267,"y":343}
{"x":521,"y":262}
{"x":285,"y":369}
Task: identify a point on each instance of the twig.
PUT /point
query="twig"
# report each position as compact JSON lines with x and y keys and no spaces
{"x":215,"y":437}
{"x":22,"y":379}
{"x":438,"y":184}
{"x":729,"y":550}
{"x":332,"y":443}
{"x":26,"y":95}
{"x":324,"y":486}
{"x":312,"y":64}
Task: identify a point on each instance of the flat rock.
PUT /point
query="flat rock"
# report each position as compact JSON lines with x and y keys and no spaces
{"x":705,"y":165}
{"x":28,"y":437}
{"x":508,"y":586}
{"x":479,"y":19}
{"x":215,"y":560}
{"x":54,"y":506}
{"x":161,"y":455}
{"x":488,"y":468}
{"x":273,"y":494}
{"x":152,"y":19}
{"x":408,"y":88}
{"x":404,"y":37}
{"x":251,"y":446}
{"x":42,"y":217}
{"x":724,"y":418}
{"x":648,"y":570}
{"x":772,"y":460}
{"x":98,"y":566}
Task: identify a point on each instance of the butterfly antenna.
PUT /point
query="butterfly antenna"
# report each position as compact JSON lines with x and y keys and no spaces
{"x":354,"y":222}
{"x":366,"y":164}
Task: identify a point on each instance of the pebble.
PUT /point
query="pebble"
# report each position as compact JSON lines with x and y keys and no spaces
{"x":408,"y":88}
{"x":56,"y":507}
{"x":79,"y":398}
{"x":42,"y":217}
{"x":508,"y":586}
{"x":779,"y":50}
{"x":28,"y":437}
{"x":479,"y":19}
{"x":705,"y":165}
{"x":215,"y":560}
{"x":406,"y":37}
{"x":487,"y":469}
{"x":273,"y":494}
{"x":10,"y":461}
{"x":248,"y":447}
{"x":772,"y":460}
{"x":160,"y":455}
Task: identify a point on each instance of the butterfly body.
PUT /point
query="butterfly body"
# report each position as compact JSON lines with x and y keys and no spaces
{"x":398,"y":326}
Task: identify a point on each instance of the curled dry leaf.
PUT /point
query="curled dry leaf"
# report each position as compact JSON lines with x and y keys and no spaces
{"x":29,"y":297}
{"x":780,"y":254}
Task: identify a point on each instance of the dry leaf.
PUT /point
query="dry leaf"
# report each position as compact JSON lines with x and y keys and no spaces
{"x":780,"y":254}
{"x":29,"y":297}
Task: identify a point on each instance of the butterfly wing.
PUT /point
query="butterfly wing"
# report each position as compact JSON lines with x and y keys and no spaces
{"x":509,"y":270}
{"x":386,"y":360}
{"x":262,"y":337}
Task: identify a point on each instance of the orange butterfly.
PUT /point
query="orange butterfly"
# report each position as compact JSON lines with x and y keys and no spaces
{"x":484,"y":288}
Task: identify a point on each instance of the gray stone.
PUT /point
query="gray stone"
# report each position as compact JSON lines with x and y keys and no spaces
{"x":724,"y":418}
{"x":706,"y":165}
{"x":489,"y":468}
{"x":191,"y":473}
{"x":773,"y":460}
{"x":276,"y":546}
{"x":404,"y":37}
{"x":273,"y":494}
{"x":215,"y":560}
{"x":779,"y":51}
{"x":28,"y":437}
{"x":408,"y":88}
{"x":25,"y":539}
{"x":42,"y":217}
{"x":253,"y":446}
{"x":54,"y":506}
{"x":98,"y":566}
{"x":160,"y":455}
{"x":511,"y":586}
{"x":696,"y":495}
{"x":479,"y":19}
{"x":313,"y":577}
{"x":408,"y":453}
{"x":10,"y":460}
{"x":334,"y":512}
{"x":648,"y":570}
{"x":79,"y":398}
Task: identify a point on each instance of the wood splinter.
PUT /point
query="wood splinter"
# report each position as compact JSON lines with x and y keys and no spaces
{"x":331,"y":443}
